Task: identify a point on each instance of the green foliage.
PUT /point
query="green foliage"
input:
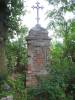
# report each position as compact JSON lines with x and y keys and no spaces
{"x":16,"y":52}
{"x":11,"y":12}
{"x":16,"y":11}
{"x":57,"y":20}
{"x":63,"y":29}
{"x":17,"y":88}
{"x":60,"y":84}
{"x":55,"y":86}
{"x":10,"y":15}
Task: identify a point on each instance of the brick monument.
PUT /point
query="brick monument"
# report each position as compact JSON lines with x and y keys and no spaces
{"x":38,"y":44}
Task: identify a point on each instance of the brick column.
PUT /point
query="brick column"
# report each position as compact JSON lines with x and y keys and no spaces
{"x":38,"y":44}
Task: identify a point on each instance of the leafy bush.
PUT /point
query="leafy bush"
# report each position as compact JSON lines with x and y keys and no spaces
{"x":17,"y":88}
{"x":59,"y":84}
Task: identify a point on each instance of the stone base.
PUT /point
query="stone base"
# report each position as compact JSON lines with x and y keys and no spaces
{"x":7,"y":98}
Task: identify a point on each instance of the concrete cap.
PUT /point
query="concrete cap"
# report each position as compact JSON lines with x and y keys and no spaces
{"x":37,"y":32}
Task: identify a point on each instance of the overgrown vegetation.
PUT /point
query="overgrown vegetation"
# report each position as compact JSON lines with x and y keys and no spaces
{"x":60,"y":83}
{"x":15,"y":88}
{"x":13,"y":53}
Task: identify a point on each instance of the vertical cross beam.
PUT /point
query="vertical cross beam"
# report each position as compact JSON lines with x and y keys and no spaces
{"x":37,"y":8}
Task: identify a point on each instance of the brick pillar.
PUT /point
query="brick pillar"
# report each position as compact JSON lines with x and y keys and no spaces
{"x":38,"y":44}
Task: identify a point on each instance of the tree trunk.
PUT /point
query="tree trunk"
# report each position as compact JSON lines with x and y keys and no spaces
{"x":3,"y":70}
{"x":4,"y":15}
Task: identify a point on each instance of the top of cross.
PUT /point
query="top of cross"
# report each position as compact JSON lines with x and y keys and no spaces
{"x":37,"y":8}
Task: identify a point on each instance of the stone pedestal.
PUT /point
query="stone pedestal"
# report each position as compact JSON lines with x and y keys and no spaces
{"x":7,"y":98}
{"x":38,"y":44}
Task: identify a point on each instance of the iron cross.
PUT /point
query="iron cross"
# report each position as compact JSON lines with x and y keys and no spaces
{"x":37,"y":8}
